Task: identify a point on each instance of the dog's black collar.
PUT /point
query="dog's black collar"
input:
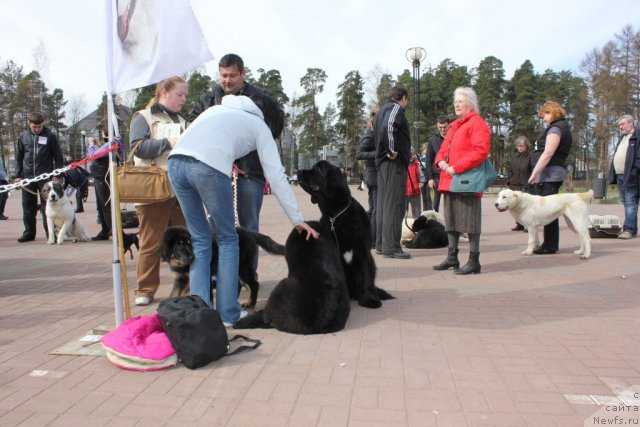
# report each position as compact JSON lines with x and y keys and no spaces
{"x":332,"y":220}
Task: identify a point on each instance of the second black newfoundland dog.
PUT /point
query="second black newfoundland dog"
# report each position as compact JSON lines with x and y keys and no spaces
{"x":313,"y":298}
{"x":345,"y":221}
{"x":430,"y":234}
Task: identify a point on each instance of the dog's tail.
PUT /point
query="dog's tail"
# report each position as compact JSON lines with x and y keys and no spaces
{"x":268,"y":244}
{"x":586,"y":196}
{"x":383,"y":295}
{"x":252,"y":321}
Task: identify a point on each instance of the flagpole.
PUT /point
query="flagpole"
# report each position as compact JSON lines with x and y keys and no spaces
{"x":116,"y":225}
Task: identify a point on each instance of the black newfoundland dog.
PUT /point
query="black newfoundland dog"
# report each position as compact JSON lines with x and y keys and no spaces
{"x":345,"y":222}
{"x":313,"y":298}
{"x":177,"y":250}
{"x":430,"y":234}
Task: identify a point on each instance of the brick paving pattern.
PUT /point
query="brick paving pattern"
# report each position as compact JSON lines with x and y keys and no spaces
{"x":532,"y":341}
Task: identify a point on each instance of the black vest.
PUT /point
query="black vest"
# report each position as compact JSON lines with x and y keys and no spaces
{"x":564,"y":148}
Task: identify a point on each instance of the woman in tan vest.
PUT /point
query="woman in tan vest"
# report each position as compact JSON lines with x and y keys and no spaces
{"x":157,"y":127}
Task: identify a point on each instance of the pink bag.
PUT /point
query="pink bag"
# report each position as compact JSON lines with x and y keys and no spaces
{"x":140,"y":344}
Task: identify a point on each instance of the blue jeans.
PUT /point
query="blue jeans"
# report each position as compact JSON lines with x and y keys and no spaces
{"x":197,"y":186}
{"x":629,"y":198}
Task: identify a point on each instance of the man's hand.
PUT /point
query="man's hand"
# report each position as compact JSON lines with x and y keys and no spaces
{"x":392,"y":156}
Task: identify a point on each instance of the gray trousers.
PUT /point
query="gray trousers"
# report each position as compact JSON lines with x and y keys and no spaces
{"x":391,"y":206}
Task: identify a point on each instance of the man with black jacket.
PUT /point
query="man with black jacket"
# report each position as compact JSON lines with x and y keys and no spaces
{"x":251,"y":180}
{"x":393,"y":154}
{"x":433,"y":174}
{"x":625,"y":171}
{"x":367,"y":152}
{"x":38,"y":153}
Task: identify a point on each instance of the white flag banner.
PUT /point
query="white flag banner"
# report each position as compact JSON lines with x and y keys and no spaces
{"x":151,"y":40}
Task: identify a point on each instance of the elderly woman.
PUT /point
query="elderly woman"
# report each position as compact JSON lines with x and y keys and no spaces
{"x":520,"y":170}
{"x":549,"y":157}
{"x":465,"y":146}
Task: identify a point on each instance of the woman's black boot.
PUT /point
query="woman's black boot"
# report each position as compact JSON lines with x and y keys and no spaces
{"x":472,"y":266}
{"x":451,"y":261}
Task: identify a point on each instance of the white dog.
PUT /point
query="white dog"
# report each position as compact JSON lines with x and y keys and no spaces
{"x":537,"y":211}
{"x":60,"y":216}
{"x":408,"y":234}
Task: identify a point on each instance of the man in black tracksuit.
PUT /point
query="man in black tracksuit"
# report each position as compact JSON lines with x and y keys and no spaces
{"x":38,"y":153}
{"x":393,"y":154}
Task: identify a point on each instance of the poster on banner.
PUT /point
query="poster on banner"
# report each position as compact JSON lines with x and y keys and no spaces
{"x":151,"y":40}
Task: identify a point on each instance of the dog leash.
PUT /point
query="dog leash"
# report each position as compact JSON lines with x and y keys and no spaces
{"x":333,"y":229}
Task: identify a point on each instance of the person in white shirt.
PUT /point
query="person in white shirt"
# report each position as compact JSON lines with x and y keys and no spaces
{"x":624,"y":170}
{"x":200,"y":169}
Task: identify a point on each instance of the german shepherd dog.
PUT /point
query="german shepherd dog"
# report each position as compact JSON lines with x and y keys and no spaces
{"x":176,"y":249}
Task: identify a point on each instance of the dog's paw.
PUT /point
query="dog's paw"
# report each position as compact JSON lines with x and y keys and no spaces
{"x":61,"y":242}
{"x":527,"y":252}
{"x":51,"y":242}
{"x":247,"y":305}
{"x":370,"y":303}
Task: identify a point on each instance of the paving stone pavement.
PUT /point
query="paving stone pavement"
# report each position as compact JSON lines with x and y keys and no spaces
{"x":532,"y":341}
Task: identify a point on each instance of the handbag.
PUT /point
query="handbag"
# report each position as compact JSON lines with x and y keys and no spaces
{"x":474,"y":180}
{"x":142,"y":184}
{"x":196,"y":331}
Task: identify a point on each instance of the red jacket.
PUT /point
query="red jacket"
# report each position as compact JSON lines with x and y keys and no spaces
{"x":466,"y":146}
{"x":413,"y":179}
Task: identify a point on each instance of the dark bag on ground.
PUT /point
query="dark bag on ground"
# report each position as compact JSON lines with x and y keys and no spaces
{"x":196,"y":331}
{"x":474,"y":180}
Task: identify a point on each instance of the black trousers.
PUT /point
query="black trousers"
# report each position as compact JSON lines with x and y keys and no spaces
{"x":30,"y":207}
{"x":551,"y":236}
{"x":391,"y":206}
{"x":3,"y":196}
{"x":103,"y":198}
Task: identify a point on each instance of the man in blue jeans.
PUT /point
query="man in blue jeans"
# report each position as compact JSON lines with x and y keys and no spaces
{"x":624,"y":170}
{"x":251,"y":178}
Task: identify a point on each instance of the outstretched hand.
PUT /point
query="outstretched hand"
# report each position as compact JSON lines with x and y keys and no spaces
{"x":304,"y":227}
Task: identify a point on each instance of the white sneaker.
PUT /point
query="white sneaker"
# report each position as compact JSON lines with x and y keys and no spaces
{"x":625,"y":235}
{"x":243,"y":314}
{"x":144,"y":300}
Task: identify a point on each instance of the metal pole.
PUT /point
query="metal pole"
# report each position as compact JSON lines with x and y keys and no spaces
{"x":416,"y":101}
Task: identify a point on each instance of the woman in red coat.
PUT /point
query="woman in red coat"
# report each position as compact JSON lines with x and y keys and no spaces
{"x":466,"y":146}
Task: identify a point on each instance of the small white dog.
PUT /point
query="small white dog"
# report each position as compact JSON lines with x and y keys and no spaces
{"x":61,"y":217}
{"x":537,"y":211}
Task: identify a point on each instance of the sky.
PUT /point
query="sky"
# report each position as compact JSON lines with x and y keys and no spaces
{"x":335,"y":35}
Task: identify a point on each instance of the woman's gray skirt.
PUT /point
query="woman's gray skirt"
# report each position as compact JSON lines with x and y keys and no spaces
{"x":462,"y":213}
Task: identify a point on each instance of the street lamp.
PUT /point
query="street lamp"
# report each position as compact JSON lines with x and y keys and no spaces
{"x":83,"y":148}
{"x":586,"y":163}
{"x":415,"y":55}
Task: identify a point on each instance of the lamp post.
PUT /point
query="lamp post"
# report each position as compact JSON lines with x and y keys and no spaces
{"x":415,"y":55}
{"x":83,"y":148}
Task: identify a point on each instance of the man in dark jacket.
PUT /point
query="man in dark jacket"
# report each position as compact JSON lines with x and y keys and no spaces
{"x":251,"y":180}
{"x":625,"y":170}
{"x":38,"y":153}
{"x":393,"y":154}
{"x":433,"y":174}
{"x":367,"y":152}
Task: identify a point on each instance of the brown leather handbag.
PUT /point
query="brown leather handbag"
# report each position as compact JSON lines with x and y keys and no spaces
{"x":142,"y":184}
